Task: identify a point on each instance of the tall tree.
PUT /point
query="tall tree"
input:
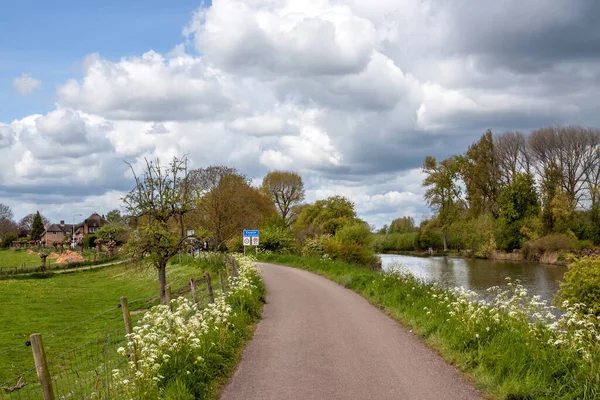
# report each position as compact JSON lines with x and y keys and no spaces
{"x":444,"y":192}
{"x":26,"y":223}
{"x":37,"y":227}
{"x":160,"y":200}
{"x":572,"y":150}
{"x":325,"y":216}
{"x":7,"y":225}
{"x":510,"y":151}
{"x":481,"y":176}
{"x":227,"y":203}
{"x":519,"y":201}
{"x":114,"y":216}
{"x":402,"y":225}
{"x":286,"y":189}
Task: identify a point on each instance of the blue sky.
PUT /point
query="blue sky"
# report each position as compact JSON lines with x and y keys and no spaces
{"x":48,"y":40}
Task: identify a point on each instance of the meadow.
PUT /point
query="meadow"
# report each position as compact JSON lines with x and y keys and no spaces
{"x":16,"y":258}
{"x":74,"y":308}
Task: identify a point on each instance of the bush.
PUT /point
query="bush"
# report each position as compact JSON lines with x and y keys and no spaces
{"x":89,"y":241}
{"x":8,"y":240}
{"x":358,"y":233}
{"x":277,"y":239}
{"x":582,"y":283}
{"x":315,"y":247}
{"x":534,"y":249}
{"x":352,"y":253}
{"x":235,"y":244}
{"x":396,"y":242}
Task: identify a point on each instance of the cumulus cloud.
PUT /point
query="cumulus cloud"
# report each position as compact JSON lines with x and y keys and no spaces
{"x":25,"y":84}
{"x":352,"y":94}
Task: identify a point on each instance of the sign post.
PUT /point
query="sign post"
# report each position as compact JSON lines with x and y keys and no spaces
{"x":251,"y":238}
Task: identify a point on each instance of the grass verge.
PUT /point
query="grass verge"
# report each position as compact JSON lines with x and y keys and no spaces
{"x":507,"y":350}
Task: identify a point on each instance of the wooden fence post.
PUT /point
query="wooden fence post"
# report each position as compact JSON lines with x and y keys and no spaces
{"x":221,"y":281}
{"x":193,"y":289}
{"x":41,"y":367}
{"x":128,"y":327}
{"x":211,"y":297}
{"x":235,"y":270}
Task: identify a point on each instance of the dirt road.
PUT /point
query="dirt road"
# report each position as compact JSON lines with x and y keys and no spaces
{"x":318,"y":340}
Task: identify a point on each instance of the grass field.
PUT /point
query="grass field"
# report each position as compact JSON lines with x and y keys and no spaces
{"x":9,"y":259}
{"x":60,"y":308}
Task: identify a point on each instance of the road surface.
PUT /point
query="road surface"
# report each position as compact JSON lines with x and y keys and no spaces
{"x":318,"y":340}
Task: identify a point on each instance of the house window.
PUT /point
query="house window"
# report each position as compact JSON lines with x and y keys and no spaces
{"x":92,"y":229}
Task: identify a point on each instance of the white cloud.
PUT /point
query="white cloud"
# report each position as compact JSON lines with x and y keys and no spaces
{"x":25,"y":84}
{"x":352,"y":94}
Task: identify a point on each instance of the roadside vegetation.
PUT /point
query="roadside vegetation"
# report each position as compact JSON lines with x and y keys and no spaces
{"x":511,"y":344}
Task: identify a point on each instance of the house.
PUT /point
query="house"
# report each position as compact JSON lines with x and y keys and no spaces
{"x":56,"y":233}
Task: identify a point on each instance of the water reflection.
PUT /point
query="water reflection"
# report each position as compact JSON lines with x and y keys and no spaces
{"x":478,"y":275}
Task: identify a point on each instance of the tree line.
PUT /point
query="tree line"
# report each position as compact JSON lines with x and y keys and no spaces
{"x":515,"y":188}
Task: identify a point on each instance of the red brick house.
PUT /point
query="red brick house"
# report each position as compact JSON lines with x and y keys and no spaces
{"x":56,"y":232}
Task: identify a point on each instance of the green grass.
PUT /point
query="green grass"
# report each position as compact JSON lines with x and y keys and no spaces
{"x":16,"y":258}
{"x":506,"y":361}
{"x":49,"y":305}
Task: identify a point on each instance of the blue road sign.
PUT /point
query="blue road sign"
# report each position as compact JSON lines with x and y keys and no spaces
{"x":251,"y":232}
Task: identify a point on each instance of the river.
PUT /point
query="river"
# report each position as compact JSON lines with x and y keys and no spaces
{"x":478,"y":275}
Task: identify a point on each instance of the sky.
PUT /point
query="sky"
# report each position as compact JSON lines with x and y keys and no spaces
{"x":350,"y":94}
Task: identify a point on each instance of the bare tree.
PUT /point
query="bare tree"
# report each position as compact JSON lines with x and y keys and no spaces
{"x":286,"y":189}
{"x":160,"y":200}
{"x":7,"y":225}
{"x":510,"y":151}
{"x":571,"y":149}
{"x":6,"y":212}
{"x":26,"y":222}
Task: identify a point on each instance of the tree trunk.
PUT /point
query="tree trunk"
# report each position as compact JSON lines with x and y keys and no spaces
{"x":444,"y":239}
{"x":162,"y":283}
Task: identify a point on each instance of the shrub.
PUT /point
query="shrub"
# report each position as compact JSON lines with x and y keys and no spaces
{"x":277,"y":239}
{"x":582,"y":283}
{"x":235,"y":244}
{"x":396,"y":242}
{"x":533,"y":250}
{"x":314,"y":247}
{"x":8,"y":240}
{"x":358,"y":233}
{"x":89,"y":241}
{"x":352,"y":253}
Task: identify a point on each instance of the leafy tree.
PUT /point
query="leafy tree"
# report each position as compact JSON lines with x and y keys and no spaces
{"x":117,"y":232}
{"x":285,"y":189}
{"x":26,"y":223}
{"x":443,"y":193}
{"x":227,"y":204}
{"x":37,"y":227}
{"x":402,"y":225}
{"x":160,"y":200}
{"x":519,"y":202}
{"x":481,"y":175}
{"x":325,"y":217}
{"x":384,"y":230}
{"x":114,"y":216}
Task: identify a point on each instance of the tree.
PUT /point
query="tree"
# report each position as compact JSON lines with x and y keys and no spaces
{"x":384,"y":230}
{"x":37,"y":227}
{"x":7,"y":225}
{"x":114,"y":216}
{"x":286,"y":189}
{"x":402,"y":225}
{"x":444,"y":193}
{"x":572,"y":150}
{"x":325,"y":217}
{"x":481,"y":176}
{"x":227,"y":203}
{"x":519,"y":201}
{"x":26,"y":223}
{"x":160,"y":200}
{"x":114,"y":231}
{"x":510,"y":152}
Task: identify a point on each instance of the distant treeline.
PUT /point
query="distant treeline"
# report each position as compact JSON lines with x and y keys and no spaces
{"x":538,"y":191}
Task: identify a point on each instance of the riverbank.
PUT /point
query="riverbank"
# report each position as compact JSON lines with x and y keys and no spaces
{"x":506,"y":354}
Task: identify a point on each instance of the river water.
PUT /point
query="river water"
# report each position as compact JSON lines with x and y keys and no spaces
{"x":478,"y":275}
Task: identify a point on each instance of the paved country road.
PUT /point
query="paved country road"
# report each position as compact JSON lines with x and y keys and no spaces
{"x":318,"y":340}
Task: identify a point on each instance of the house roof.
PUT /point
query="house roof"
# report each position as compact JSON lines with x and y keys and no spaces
{"x":94,"y":220}
{"x":64,"y":228}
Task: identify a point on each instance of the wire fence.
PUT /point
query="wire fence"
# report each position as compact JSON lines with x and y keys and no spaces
{"x":87,"y":368}
{"x":36,"y":266}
